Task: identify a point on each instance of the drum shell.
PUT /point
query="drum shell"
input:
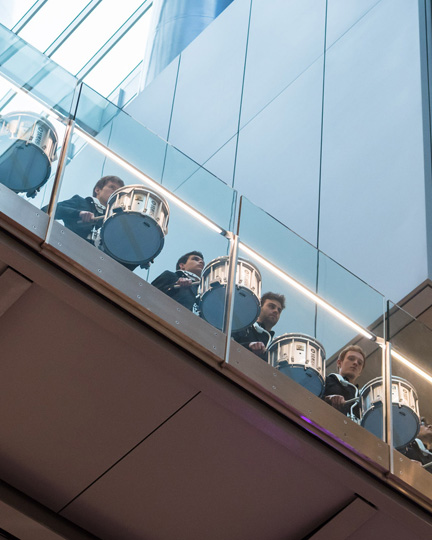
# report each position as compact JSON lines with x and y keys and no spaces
{"x":28,"y":145}
{"x":247,"y":275}
{"x":31,"y":128}
{"x":131,"y":205}
{"x":406,"y":416}
{"x":295,"y":354}
{"x":214,"y":281}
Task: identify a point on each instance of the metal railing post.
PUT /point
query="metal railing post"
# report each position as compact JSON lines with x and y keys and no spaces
{"x":230,"y":292}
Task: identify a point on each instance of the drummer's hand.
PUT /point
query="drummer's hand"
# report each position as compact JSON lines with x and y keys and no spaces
{"x":86,"y":216}
{"x":257,"y":347}
{"x":183,"y":282}
{"x":336,"y":401}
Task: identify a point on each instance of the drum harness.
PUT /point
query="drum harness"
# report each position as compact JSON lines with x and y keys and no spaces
{"x":346,"y":383}
{"x":194,"y":278}
{"x":100,"y":209}
{"x":262,"y":330}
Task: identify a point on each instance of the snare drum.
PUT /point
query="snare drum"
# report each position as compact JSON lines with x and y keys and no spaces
{"x":212,"y":292}
{"x":28,"y":145}
{"x":302,"y":358}
{"x":406,"y":416}
{"x":135,"y":225}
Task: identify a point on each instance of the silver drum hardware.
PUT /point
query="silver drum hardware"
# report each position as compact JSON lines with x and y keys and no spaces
{"x":28,"y":145}
{"x":214,"y":281}
{"x":135,"y":225}
{"x":406,"y":416}
{"x":302,"y":358}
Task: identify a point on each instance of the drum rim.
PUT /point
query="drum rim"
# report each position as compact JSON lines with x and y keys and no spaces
{"x":226,"y":257}
{"x":142,"y":187}
{"x":372,"y":407}
{"x":128,"y":261}
{"x":48,"y":174}
{"x":31,"y":115}
{"x":395,"y":378}
{"x":290,"y":335}
{"x":303,"y":366}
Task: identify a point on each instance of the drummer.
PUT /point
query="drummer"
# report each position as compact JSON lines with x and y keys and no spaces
{"x":182,"y":285}
{"x":340,"y":387}
{"x":258,"y":337}
{"x":78,"y":213}
{"x":421,"y":448}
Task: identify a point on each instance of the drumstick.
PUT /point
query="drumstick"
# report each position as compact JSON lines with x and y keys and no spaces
{"x":92,"y":220}
{"x":427,"y":465}
{"x":178,"y":286}
{"x":353,"y":400}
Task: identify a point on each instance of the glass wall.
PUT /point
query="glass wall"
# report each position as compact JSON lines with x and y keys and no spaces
{"x":155,"y":204}
{"x":315,"y":309}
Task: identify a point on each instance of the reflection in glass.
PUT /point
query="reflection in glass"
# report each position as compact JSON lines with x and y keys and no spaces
{"x":126,"y":218}
{"x":30,"y":135}
{"x":321,"y":331}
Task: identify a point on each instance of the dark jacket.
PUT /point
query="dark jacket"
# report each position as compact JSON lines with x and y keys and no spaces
{"x":416,"y":450}
{"x":253,"y":333}
{"x":337,"y":385}
{"x":186,"y":296}
{"x":69,"y":212}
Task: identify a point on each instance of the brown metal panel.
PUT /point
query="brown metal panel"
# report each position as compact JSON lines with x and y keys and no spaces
{"x":310,"y":411}
{"x":76,"y":397}
{"x":209,"y":474}
{"x":346,"y":522}
{"x":413,"y":476}
{"x":114,"y":280}
{"x":21,"y":217}
{"x":12,"y":287}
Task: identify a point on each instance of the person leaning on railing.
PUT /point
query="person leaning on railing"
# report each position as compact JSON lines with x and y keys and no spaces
{"x":340,"y":387}
{"x":182,"y":285}
{"x":258,"y":337}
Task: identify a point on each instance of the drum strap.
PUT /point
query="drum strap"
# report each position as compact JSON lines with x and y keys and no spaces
{"x":99,"y":206}
{"x":262,"y":330}
{"x":423,"y":448}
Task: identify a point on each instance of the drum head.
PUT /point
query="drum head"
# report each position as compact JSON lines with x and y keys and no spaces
{"x":23,"y":166}
{"x":405,"y":423}
{"x":308,"y":378}
{"x":246,"y":307}
{"x":132,"y":238}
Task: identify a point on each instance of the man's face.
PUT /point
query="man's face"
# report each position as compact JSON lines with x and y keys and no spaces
{"x":351,"y":366}
{"x":425,"y":434}
{"x":194,"y":264}
{"x":103,"y":194}
{"x":270,"y":313}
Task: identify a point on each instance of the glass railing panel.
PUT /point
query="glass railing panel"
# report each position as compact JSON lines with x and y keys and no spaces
{"x":317,"y":323}
{"x":164,"y":164}
{"x":411,"y":345}
{"x":27,"y":67}
{"x":31,"y":138}
{"x":130,"y":234}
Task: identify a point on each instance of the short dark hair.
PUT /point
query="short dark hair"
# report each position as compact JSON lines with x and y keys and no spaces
{"x":273,"y":296}
{"x":354,"y":348}
{"x":102,"y":182}
{"x":183,"y":259}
